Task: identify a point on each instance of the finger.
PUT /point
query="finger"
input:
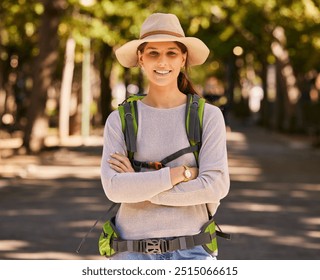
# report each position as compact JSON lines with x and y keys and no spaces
{"x":123,"y":159}
{"x":116,"y":168}
{"x":118,"y":164}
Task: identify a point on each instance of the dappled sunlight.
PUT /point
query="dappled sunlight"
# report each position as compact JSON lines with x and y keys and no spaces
{"x":310,"y":187}
{"x":50,"y":217}
{"x":236,"y":136}
{"x":53,"y":172}
{"x":299,"y":194}
{"x":78,"y":162}
{"x":50,"y":255}
{"x":242,"y":168}
{"x":256,"y":193}
{"x":84,"y":199}
{"x":310,"y":240}
{"x":95,"y":207}
{"x":255,"y":207}
{"x":297,"y":241}
{"x":74,"y":141}
{"x":245,"y":161}
{"x":254,"y":231}
{"x":12,"y":245}
{"x":273,"y":205}
{"x":28,"y":212}
{"x":311,"y":221}
{"x":79,"y":224}
{"x":32,"y":171}
{"x":244,"y":173}
{"x":313,"y":234}
{"x":58,"y":197}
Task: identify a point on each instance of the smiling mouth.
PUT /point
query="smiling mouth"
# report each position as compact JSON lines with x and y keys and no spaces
{"x":162,"y":72}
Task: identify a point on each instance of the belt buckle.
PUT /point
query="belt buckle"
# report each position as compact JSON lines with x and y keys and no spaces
{"x":153,"y":246}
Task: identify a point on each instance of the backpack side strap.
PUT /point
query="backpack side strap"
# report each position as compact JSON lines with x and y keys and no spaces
{"x":193,"y":121}
{"x":129,"y":121}
{"x":130,"y":135}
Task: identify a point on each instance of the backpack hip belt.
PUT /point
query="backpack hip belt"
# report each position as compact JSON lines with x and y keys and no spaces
{"x":160,"y":245}
{"x":111,"y":243}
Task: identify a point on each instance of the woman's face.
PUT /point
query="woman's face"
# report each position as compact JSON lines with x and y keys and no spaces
{"x":161,"y":62}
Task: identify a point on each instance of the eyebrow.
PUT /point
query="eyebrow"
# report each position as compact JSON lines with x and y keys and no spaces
{"x":154,"y":48}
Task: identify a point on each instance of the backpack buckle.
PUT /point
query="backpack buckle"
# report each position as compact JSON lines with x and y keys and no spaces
{"x":128,"y":115}
{"x":155,"y":165}
{"x":152,"y":246}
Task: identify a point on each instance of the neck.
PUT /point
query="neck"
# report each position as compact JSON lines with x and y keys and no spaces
{"x":164,"y":98}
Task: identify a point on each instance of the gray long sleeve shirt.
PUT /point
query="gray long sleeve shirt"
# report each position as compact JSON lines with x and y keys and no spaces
{"x":150,"y":206}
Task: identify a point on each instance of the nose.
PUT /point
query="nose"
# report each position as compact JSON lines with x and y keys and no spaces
{"x":162,"y":60}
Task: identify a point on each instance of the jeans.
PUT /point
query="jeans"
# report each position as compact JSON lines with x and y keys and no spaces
{"x":196,"y":253}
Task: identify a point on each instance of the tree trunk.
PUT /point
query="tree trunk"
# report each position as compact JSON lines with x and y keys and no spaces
{"x":66,"y":88}
{"x":287,"y":78}
{"x":3,"y":79}
{"x":230,"y":79}
{"x":105,"y":74}
{"x":37,"y":126}
{"x":2,"y":92}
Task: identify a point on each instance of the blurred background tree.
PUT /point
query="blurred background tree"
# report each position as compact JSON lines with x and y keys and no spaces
{"x":49,"y":88}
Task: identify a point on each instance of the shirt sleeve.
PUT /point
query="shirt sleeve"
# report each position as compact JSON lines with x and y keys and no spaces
{"x":213,"y":182}
{"x":127,"y":187}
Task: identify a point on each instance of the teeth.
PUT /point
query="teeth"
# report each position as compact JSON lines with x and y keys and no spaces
{"x":162,"y":72}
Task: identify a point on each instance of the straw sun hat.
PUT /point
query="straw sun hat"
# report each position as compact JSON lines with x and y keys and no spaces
{"x":160,"y":27}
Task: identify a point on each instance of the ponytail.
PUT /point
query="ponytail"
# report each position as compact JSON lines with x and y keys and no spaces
{"x":185,"y":85}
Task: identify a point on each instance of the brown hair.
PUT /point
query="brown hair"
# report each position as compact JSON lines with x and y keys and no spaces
{"x":184,"y":84}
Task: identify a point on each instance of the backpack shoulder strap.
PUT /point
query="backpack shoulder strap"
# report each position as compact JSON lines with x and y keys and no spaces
{"x":128,"y":111}
{"x":194,"y":115}
{"x":194,"y":119}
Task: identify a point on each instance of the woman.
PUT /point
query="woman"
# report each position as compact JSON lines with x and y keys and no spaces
{"x":172,"y":203}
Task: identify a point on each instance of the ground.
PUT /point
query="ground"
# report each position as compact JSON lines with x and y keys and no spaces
{"x":49,"y":202}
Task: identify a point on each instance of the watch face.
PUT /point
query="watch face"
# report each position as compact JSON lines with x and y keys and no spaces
{"x":187,"y":174}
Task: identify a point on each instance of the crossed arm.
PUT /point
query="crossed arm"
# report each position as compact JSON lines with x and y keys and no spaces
{"x":122,"y":164}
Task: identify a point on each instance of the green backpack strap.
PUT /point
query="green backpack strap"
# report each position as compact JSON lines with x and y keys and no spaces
{"x":129,"y":121}
{"x":194,"y":119}
{"x":194,"y":115}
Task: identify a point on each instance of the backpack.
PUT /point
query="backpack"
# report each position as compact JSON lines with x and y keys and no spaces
{"x":128,"y":111}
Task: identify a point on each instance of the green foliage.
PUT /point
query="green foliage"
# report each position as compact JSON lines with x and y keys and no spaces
{"x":18,"y":27}
{"x":222,"y":25}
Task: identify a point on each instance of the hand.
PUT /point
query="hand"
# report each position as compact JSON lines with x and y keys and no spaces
{"x":176,"y":174}
{"x":120,"y":163}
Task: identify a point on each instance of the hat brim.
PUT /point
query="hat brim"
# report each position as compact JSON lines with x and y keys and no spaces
{"x":198,"y":52}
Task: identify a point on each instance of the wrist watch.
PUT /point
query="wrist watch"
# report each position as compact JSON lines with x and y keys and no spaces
{"x":187,"y":173}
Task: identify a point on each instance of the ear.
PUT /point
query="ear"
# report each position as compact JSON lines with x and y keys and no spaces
{"x":140,"y":59}
{"x":184,"y":59}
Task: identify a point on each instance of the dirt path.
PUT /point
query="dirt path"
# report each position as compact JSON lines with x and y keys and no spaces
{"x":47,"y":204}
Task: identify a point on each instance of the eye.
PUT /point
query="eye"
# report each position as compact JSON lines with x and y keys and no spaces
{"x":172,"y":53}
{"x":153,"y":53}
